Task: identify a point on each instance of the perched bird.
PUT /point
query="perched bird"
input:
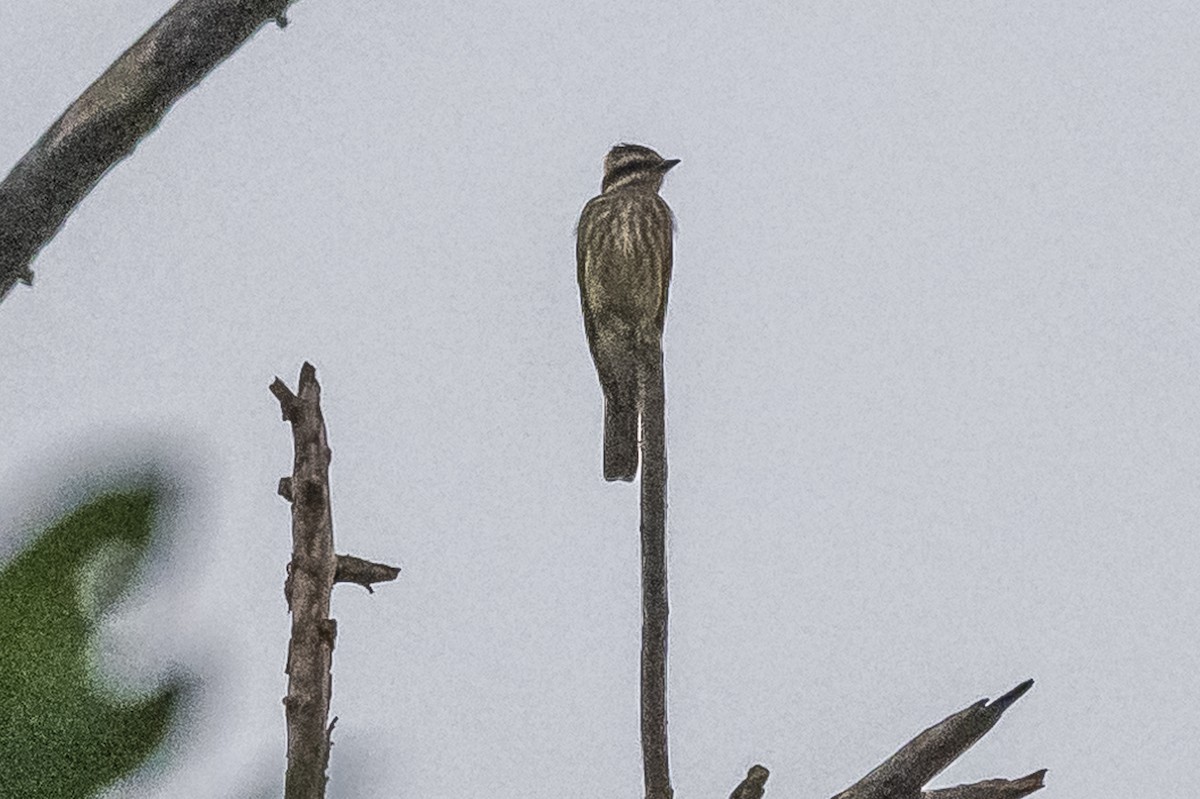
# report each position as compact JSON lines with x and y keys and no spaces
{"x":623,"y":253}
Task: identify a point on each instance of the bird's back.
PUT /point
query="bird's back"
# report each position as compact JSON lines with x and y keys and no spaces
{"x":624,"y":257}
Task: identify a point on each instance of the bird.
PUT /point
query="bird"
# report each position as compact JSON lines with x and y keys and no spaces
{"x":623,"y":253}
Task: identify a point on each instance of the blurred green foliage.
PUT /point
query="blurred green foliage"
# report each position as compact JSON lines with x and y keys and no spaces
{"x":59,"y":735}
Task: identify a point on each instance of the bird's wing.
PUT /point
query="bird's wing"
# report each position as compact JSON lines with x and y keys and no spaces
{"x":668,"y":246}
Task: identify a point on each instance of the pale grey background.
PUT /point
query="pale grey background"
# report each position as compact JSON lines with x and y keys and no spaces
{"x":931,"y":361}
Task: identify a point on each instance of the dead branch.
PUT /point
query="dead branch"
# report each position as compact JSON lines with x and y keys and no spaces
{"x":992,"y":789}
{"x":312,"y":572}
{"x":905,"y":774}
{"x":111,"y":116}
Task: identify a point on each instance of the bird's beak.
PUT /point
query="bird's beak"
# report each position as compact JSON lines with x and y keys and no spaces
{"x":669,"y":164}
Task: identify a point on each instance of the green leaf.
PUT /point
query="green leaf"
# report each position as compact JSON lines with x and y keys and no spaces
{"x":59,"y":735}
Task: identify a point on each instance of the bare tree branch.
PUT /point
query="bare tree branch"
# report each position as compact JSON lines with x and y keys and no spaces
{"x":111,"y":117}
{"x":904,"y":774}
{"x":654,"y":582}
{"x":311,"y":575}
{"x":310,"y":582}
{"x":992,"y":789}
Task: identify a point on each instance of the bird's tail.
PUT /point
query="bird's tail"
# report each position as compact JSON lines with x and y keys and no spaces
{"x":620,"y":436}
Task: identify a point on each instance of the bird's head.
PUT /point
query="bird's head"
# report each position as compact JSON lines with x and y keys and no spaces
{"x":634,"y":165}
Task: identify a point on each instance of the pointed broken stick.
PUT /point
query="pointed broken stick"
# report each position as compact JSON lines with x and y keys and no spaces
{"x":905,"y":774}
{"x":312,"y":572}
{"x":992,"y":789}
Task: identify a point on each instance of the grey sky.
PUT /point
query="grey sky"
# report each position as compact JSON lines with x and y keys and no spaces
{"x":932,"y":382}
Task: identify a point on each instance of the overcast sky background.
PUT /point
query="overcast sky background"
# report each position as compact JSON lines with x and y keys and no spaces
{"x":932,"y":384}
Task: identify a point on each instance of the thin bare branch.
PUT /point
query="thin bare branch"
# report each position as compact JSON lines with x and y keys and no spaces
{"x":905,"y":773}
{"x":654,"y":582}
{"x":311,"y":574}
{"x":992,"y":789}
{"x":308,"y":586}
{"x":111,"y":116}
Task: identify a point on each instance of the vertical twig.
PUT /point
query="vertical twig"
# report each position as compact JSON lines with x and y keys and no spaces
{"x":309,"y":584}
{"x":312,"y":573}
{"x":654,"y":580}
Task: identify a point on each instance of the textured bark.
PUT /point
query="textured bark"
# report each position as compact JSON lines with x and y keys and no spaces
{"x":111,"y":116}
{"x":309,"y":585}
{"x":905,"y":774}
{"x":654,"y":582}
{"x":312,"y":572}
